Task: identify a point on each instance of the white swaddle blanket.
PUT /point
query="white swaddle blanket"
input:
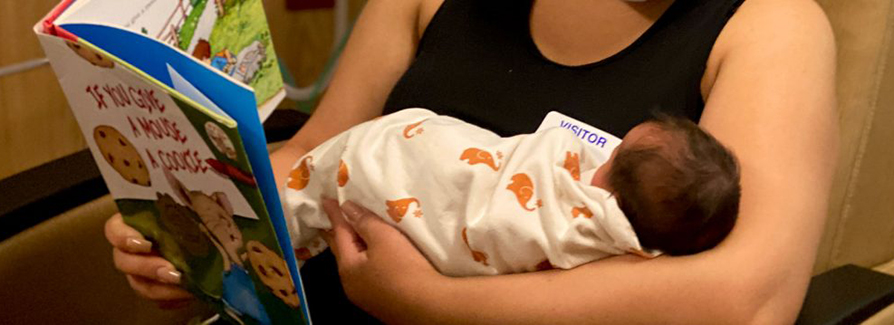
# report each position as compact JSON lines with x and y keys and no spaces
{"x":474,"y":203}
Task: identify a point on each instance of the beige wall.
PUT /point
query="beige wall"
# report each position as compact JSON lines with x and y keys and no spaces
{"x":36,"y":125}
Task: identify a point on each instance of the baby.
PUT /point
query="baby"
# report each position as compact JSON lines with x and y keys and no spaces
{"x":475,"y":203}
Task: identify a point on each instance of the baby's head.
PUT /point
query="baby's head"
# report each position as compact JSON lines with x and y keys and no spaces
{"x":678,"y":186}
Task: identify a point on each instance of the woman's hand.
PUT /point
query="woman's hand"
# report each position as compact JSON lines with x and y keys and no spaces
{"x":376,"y":262}
{"x":148,"y":274}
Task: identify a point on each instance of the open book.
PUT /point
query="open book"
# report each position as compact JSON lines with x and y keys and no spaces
{"x":169,"y":95}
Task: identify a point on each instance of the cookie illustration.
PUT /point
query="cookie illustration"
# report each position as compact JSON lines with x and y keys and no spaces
{"x":121,"y":155}
{"x":180,"y":222}
{"x":91,"y":56}
{"x":220,"y":140}
{"x":273,"y":272}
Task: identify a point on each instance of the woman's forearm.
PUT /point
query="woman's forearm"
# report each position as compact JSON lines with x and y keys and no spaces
{"x":282,"y":160}
{"x":621,"y":290}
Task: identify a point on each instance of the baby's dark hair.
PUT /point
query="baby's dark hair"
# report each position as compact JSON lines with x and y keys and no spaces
{"x":679,"y":188}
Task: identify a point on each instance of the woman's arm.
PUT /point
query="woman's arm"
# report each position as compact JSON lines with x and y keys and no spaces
{"x":770,"y":89}
{"x":378,"y":52}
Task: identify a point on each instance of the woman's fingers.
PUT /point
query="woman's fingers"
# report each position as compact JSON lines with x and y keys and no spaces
{"x":149,"y":275}
{"x":157,"y":291}
{"x":146,"y":266}
{"x":124,"y":237}
{"x":374,"y":258}
{"x":371,"y":228}
{"x":345,"y":243}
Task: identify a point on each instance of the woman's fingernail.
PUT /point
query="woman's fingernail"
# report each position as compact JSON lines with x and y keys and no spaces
{"x":167,"y":275}
{"x":351,"y":211}
{"x":137,"y":245}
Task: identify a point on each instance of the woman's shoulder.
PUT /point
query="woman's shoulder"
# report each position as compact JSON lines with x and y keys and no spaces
{"x":759,"y":22}
{"x":771,"y":28}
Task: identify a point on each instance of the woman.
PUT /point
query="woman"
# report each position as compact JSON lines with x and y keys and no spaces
{"x":762,"y":82}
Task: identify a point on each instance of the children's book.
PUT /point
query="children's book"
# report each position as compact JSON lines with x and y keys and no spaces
{"x":170,"y":95}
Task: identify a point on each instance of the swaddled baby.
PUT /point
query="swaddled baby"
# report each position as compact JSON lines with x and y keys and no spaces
{"x":475,"y":203}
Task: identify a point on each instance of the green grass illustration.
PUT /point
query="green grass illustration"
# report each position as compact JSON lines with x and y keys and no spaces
{"x":242,"y":24}
{"x":189,"y":25}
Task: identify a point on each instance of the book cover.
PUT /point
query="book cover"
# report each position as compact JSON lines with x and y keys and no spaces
{"x":187,"y":168}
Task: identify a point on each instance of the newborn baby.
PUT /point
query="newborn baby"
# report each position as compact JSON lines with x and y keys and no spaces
{"x":475,"y":203}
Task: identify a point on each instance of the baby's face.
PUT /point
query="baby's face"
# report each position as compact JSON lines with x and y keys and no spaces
{"x":639,"y":133}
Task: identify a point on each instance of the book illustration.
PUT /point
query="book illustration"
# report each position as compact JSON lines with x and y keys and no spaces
{"x":273,"y":272}
{"x":90,"y":55}
{"x":119,"y":153}
{"x":240,"y":34}
{"x":220,"y":140}
{"x":226,"y":170}
{"x":180,"y":222}
{"x":244,"y":66}
{"x":231,"y":36}
{"x":217,"y":221}
{"x":216,"y":214}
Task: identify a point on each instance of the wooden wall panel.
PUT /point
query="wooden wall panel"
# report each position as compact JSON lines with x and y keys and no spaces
{"x":303,"y":39}
{"x":36,"y":125}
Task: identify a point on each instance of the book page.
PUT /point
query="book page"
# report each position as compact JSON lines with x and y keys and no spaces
{"x":230,"y":36}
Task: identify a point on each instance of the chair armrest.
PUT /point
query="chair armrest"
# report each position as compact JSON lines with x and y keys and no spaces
{"x":846,"y":295}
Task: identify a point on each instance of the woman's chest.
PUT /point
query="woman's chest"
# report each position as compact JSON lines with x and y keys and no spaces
{"x":477,"y":61}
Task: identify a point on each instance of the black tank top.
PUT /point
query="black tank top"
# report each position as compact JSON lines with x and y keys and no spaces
{"x":476,"y":61}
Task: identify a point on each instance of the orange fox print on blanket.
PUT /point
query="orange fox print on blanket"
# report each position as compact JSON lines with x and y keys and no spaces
{"x":409,"y":131}
{"x":299,"y":177}
{"x":342,"y":173}
{"x":523,"y":188}
{"x":572,"y":164}
{"x":581,"y":211}
{"x":478,"y":256}
{"x":398,"y":208}
{"x":477,"y":156}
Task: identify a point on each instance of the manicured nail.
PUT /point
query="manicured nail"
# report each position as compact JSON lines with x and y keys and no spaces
{"x":136,"y":245}
{"x":352,"y":211}
{"x":169,"y":276}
